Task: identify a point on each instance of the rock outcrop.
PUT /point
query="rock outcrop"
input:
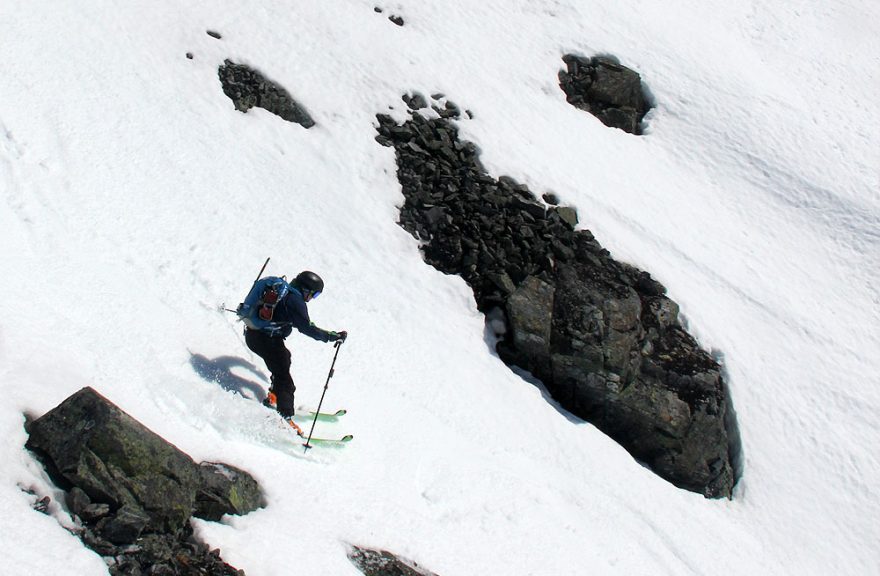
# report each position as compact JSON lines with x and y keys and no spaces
{"x":603,"y":87}
{"x":247,"y":89}
{"x":383,"y":563}
{"x":133,"y":492}
{"x":600,"y":334}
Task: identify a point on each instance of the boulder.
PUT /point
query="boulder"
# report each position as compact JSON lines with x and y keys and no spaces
{"x":615,"y":85}
{"x":226,"y":489}
{"x":602,"y":86}
{"x":116,"y":460}
{"x":135,"y":492}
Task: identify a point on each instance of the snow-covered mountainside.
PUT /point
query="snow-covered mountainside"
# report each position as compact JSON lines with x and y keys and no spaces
{"x":136,"y":199}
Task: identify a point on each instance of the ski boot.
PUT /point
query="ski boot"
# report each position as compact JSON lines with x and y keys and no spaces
{"x":270,"y":401}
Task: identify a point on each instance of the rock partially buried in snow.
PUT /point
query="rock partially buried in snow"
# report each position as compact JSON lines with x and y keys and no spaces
{"x":603,"y":87}
{"x":224,"y":490}
{"x":601,"y":335}
{"x":384,"y":563}
{"x":127,"y":484}
{"x":247,"y":89}
{"x":116,"y":460}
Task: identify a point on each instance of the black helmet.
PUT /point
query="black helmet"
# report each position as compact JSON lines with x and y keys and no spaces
{"x":309,"y":282}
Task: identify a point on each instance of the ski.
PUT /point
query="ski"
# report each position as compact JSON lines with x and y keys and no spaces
{"x":319,"y":441}
{"x":305,"y":413}
{"x":322,"y":416}
{"x":330,"y":441}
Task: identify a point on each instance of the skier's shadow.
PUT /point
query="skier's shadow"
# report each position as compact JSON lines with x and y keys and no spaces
{"x":219,"y":371}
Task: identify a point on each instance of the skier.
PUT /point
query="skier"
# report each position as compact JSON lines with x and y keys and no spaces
{"x":270,"y":312}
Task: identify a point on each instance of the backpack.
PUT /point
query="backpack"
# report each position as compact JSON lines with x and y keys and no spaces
{"x":258,"y":307}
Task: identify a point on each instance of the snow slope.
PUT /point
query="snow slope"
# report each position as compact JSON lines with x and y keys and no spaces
{"x":135,"y":199}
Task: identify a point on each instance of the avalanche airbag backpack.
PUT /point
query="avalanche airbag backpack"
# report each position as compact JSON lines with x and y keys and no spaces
{"x":258,"y":307}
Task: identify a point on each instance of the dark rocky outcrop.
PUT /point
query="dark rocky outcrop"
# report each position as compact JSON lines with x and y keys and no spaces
{"x":601,"y":335}
{"x":133,"y":492}
{"x":611,"y":92}
{"x":383,"y":563}
{"x":247,"y":88}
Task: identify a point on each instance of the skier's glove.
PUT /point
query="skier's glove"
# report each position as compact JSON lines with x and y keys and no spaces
{"x":338,"y":336}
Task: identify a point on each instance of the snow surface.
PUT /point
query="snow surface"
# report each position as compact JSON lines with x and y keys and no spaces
{"x":135,"y":199}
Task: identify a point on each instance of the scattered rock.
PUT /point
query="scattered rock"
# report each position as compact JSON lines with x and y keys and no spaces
{"x":611,"y":92}
{"x":384,"y":563}
{"x":396,"y":19}
{"x":248,"y":88}
{"x":213,"y":34}
{"x":551,"y":198}
{"x":42,"y":505}
{"x":415,"y":101}
{"x":601,"y":335}
{"x":189,"y":55}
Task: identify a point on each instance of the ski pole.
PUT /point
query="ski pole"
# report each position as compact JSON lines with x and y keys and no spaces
{"x":266,"y":263}
{"x":337,"y":345}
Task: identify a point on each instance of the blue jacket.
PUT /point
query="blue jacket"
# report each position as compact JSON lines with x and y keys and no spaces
{"x":292,"y":312}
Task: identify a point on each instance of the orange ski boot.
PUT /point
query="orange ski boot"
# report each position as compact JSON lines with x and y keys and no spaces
{"x":270,"y":401}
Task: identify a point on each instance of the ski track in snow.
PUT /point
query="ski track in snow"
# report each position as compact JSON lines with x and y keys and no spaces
{"x":10,"y":153}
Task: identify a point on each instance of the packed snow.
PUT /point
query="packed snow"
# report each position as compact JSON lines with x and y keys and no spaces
{"x":136,"y":200}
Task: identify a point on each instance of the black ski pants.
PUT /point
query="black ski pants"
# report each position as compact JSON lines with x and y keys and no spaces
{"x":277,"y":357}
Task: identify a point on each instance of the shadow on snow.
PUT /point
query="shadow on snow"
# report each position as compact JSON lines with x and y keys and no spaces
{"x":220,"y":371}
